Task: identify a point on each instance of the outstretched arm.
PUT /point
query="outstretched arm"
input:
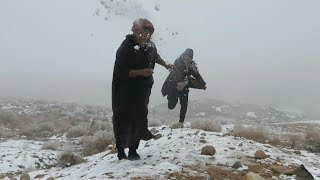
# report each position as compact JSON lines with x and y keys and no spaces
{"x":160,"y":61}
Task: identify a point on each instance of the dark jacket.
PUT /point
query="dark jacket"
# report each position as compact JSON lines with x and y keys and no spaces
{"x":182,"y":72}
{"x":130,"y":96}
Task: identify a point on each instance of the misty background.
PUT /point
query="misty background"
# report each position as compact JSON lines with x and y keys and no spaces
{"x":263,"y":52}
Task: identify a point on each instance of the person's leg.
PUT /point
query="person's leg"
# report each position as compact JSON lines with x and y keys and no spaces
{"x":133,"y":155}
{"x":121,"y":153}
{"x":172,"y":100}
{"x":183,"y":97}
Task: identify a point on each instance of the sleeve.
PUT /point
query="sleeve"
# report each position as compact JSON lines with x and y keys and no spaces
{"x":198,"y":77}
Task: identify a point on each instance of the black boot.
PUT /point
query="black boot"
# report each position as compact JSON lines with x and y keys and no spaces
{"x":133,"y":155}
{"x":121,"y":154}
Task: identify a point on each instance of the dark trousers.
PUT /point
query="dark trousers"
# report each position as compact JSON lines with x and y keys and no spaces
{"x":183,"y":98}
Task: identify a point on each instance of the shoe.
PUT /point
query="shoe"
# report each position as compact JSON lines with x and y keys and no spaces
{"x":181,"y":124}
{"x":133,"y":155}
{"x":122,"y":154}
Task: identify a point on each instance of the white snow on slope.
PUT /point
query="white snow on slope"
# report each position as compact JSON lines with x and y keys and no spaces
{"x":176,"y":150}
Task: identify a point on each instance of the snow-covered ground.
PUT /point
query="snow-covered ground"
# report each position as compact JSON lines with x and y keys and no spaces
{"x":177,"y":150}
{"x":18,"y":155}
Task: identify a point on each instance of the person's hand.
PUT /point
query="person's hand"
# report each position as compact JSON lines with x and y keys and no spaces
{"x":147,"y":72}
{"x":169,"y":67}
{"x":180,"y":86}
{"x":205,"y":87}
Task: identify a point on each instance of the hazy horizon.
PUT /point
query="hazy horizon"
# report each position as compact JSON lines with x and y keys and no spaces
{"x":264,"y":52}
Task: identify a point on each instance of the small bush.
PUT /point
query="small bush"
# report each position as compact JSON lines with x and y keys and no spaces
{"x":312,"y":140}
{"x":68,"y":158}
{"x":207,"y":125}
{"x":98,"y":125}
{"x":77,"y":131}
{"x":275,"y":140}
{"x":7,"y":116}
{"x":294,"y":141}
{"x":5,"y":133}
{"x":97,"y":143}
{"x":154,"y":122}
{"x":253,"y":133}
{"x":51,"y":145}
{"x":47,"y":126}
{"x":31,"y":132}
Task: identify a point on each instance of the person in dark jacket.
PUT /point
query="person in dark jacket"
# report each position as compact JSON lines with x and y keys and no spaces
{"x":185,"y":75}
{"x":131,"y":87}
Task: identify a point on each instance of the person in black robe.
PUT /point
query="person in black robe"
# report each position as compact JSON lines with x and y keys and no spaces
{"x":131,"y":88}
{"x":185,"y":75}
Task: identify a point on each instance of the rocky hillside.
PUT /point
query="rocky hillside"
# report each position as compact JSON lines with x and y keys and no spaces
{"x":211,"y":108}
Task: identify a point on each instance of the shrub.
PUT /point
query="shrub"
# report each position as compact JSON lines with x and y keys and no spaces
{"x":312,"y":140}
{"x":77,"y":131}
{"x":207,"y":125}
{"x":51,"y":145}
{"x":97,"y":143}
{"x":68,"y":158}
{"x":154,"y":122}
{"x":253,"y":133}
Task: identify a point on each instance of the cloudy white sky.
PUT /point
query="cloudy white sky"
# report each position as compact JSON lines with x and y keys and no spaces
{"x":264,"y":52}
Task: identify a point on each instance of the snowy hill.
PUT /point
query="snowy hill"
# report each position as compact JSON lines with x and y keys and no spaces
{"x":175,"y":155}
{"x":213,"y":108}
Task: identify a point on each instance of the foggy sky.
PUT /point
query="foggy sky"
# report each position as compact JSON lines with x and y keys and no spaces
{"x":264,"y":52}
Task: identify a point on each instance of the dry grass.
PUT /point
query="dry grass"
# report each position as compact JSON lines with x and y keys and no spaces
{"x":253,"y":133}
{"x":51,"y":145}
{"x":68,"y":158}
{"x":312,"y":140}
{"x":97,"y":143}
{"x":154,"y":122}
{"x":275,"y":140}
{"x":34,"y":132}
{"x":206,"y":125}
{"x":77,"y":131}
{"x":294,"y":141}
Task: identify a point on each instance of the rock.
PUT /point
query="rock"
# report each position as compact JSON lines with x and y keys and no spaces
{"x":252,"y":176}
{"x":240,"y":144}
{"x":176,"y":126}
{"x":202,"y":137}
{"x":25,"y":176}
{"x":2,"y":176}
{"x":260,"y":155}
{"x":232,"y":148}
{"x":203,"y":134}
{"x":39,"y":176}
{"x":157,"y":136}
{"x":50,"y":178}
{"x":197,"y":132}
{"x":208,"y":150}
{"x":297,"y":152}
{"x":203,"y":141}
{"x":237,"y":165}
{"x":10,"y":175}
{"x":154,"y":131}
{"x":302,"y":172}
{"x":280,"y":169}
